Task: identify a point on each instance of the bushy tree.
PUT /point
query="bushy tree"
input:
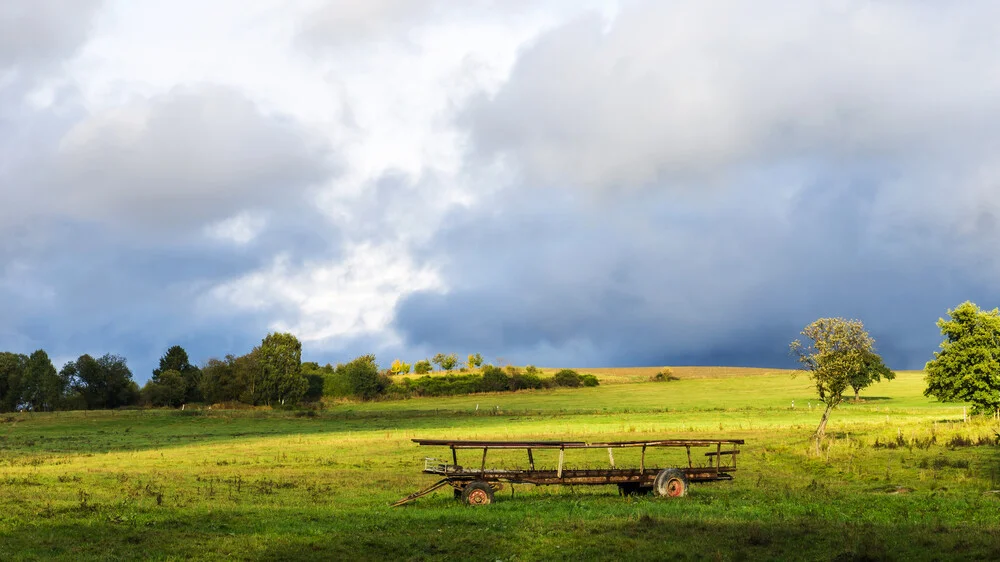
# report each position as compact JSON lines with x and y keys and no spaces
{"x":281,"y":365}
{"x":446,"y":362}
{"x":835,"y":352}
{"x":567,"y":377}
{"x":249,"y":375}
{"x":105,"y":382}
{"x":362,"y":375}
{"x":219,"y":382}
{"x":495,"y":380}
{"x":168,"y":389}
{"x":13,"y":369}
{"x":422,"y":367}
{"x":176,"y":359}
{"x":399,"y":367}
{"x":474,"y":361}
{"x":967,"y":369}
{"x":43,"y":388}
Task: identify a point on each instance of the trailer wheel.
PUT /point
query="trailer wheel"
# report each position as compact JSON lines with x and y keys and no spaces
{"x":670,"y":483}
{"x":477,"y":493}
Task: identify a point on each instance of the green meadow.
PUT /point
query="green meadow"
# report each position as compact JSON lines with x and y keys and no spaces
{"x":900,"y":477}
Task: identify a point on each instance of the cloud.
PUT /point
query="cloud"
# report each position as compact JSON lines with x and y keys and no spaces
{"x":349,"y":297}
{"x":35,"y":33}
{"x":671,"y":93}
{"x":191,"y":156}
{"x":691,"y":189}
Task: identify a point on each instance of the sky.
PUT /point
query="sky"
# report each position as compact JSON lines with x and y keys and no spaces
{"x":563,"y":183}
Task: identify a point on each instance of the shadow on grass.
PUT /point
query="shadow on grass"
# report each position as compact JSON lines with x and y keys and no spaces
{"x":476,"y":534}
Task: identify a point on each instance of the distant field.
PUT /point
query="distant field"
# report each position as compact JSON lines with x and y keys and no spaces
{"x":618,"y":375}
{"x":901,"y":478}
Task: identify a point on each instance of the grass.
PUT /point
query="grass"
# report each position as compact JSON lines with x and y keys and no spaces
{"x":901,"y":477}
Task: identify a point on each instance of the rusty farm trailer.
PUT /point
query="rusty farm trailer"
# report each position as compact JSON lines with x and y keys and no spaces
{"x":475,"y":485}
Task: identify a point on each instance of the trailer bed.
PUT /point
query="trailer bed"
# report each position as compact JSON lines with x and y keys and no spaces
{"x":671,"y":481}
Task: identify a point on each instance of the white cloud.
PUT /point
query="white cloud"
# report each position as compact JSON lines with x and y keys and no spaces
{"x":322,"y":301}
{"x":239,"y":229}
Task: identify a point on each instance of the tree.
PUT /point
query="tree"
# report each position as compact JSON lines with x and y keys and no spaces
{"x":219,"y":382}
{"x":967,"y":369}
{"x":362,"y":377}
{"x":422,"y":367}
{"x":872,"y":371}
{"x":176,"y":359}
{"x":168,"y":389}
{"x":105,"y":382}
{"x":13,"y":367}
{"x":43,"y":388}
{"x":399,"y":367}
{"x":474,"y":361}
{"x":836,"y":352}
{"x":281,"y":365}
{"x":446,"y":362}
{"x":495,"y":380}
{"x":249,"y":377}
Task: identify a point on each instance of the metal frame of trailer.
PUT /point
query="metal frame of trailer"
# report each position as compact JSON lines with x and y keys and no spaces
{"x":476,"y":485}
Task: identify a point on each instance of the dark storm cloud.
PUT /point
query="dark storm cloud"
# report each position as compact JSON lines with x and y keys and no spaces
{"x":693,"y":189}
{"x":104,"y":229}
{"x":559,"y":277}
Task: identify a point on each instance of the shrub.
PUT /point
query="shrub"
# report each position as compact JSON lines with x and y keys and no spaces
{"x":521,"y":381}
{"x":665,"y":375}
{"x":495,"y":380}
{"x":445,"y":385}
{"x":422,"y":367}
{"x":589,"y":380}
{"x":567,"y":377}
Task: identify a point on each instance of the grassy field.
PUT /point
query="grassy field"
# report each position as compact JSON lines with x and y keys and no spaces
{"x":901,"y":478}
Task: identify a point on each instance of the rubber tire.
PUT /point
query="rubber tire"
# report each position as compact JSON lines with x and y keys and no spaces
{"x":670,"y":483}
{"x":477,"y":493}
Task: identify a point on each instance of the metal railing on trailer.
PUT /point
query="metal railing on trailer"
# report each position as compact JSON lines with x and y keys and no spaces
{"x":475,"y":485}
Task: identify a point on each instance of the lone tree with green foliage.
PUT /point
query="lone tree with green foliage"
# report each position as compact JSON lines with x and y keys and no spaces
{"x":422,"y":367}
{"x":837,"y":353}
{"x":967,"y":369}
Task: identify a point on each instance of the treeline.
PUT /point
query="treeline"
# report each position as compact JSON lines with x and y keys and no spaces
{"x":271,"y":374}
{"x":31,"y":382}
{"x":362,"y":378}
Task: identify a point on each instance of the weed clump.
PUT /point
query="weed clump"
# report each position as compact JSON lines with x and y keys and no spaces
{"x":664,"y":375}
